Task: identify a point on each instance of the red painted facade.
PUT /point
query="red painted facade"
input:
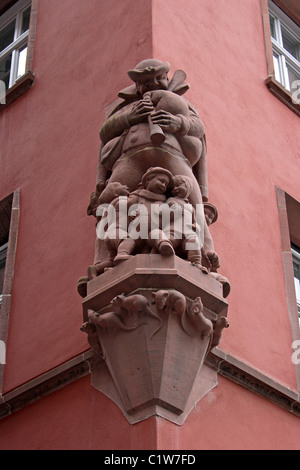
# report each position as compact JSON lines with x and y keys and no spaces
{"x":49,"y":145}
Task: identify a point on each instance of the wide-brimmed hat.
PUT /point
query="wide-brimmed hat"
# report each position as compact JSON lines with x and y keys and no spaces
{"x":148,"y":66}
{"x":212,"y":209}
{"x":154,"y":171}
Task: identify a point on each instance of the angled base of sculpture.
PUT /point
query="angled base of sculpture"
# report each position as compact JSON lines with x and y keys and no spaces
{"x":205,"y":381}
{"x":151,"y":321}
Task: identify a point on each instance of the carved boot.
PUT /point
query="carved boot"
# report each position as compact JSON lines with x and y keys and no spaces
{"x":165,"y":248}
{"x":224,"y":281}
{"x":125,"y":249}
{"x":96,"y":269}
{"x":194,"y":257}
{"x":161,"y":243}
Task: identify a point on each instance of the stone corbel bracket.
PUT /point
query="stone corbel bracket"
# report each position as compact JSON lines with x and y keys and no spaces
{"x":153,"y":324}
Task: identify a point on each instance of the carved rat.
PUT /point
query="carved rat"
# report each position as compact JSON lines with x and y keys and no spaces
{"x":136,"y":305}
{"x":200,"y":323}
{"x":173,"y":302}
{"x":219,"y":325}
{"x":93,"y":339}
{"x":110,"y":320}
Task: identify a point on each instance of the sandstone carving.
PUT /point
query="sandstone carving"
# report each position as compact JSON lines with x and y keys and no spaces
{"x":135,"y":305}
{"x":196,"y":316}
{"x":92,"y":335}
{"x":152,"y":125}
{"x":153,"y":300}
{"x":219,"y":325}
{"x":171,"y":302}
{"x":131,"y":309}
{"x":110,"y":320}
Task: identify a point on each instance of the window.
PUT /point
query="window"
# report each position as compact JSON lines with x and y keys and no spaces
{"x":14,"y":25}
{"x":281,"y":26}
{"x":296,"y":266}
{"x":9,"y":222}
{"x":3,"y":254}
{"x":5,"y":219}
{"x":285,"y":37}
{"x":17,"y":33}
{"x":289,"y":223}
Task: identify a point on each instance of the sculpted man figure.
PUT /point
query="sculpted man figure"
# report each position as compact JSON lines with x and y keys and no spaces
{"x":129,"y":148}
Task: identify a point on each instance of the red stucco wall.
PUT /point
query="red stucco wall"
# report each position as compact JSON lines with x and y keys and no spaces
{"x":80,"y":417}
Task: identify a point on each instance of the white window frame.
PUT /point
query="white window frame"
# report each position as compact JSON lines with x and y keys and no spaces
{"x":3,"y":255}
{"x":296,"y":260}
{"x":283,"y":57}
{"x":20,"y":40}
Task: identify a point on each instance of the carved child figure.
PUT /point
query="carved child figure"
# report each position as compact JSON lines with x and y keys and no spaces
{"x":155,"y":183}
{"x":186,"y":233}
{"x":110,"y":195}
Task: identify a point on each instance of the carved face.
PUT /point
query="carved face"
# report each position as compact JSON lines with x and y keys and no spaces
{"x":209,"y":216}
{"x":160,"y":299}
{"x":197,"y":305}
{"x":153,"y":81}
{"x":180,"y":188}
{"x":118,"y":299}
{"x":157,"y":183}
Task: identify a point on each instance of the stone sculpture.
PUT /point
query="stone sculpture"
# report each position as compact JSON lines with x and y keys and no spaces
{"x":132,"y":311}
{"x":129,"y":148}
{"x":153,"y":301}
{"x":128,"y":151}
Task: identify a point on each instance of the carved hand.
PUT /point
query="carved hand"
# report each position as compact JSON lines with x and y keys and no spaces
{"x":167,"y":121}
{"x":214,"y":259}
{"x":99,"y":187}
{"x":140,"y":111}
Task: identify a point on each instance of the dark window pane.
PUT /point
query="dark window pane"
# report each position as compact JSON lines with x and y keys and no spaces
{"x":2,"y":268}
{"x":296,"y":270}
{"x":293,"y":75}
{"x":272,"y":25}
{"x":25,"y":20}
{"x":290,"y":44}
{"x":7,"y":35}
{"x":5,"y":65}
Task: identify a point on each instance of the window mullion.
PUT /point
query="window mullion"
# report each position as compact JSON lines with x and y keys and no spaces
{"x":280,"y":50}
{"x":19,"y":42}
{"x":296,"y":254}
{"x":278,"y":46}
{"x":285,"y":73}
{"x":278,"y":31}
{"x":18,"y":27}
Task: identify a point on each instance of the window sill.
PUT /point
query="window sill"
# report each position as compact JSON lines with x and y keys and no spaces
{"x":282,"y":94}
{"x":20,"y":87}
